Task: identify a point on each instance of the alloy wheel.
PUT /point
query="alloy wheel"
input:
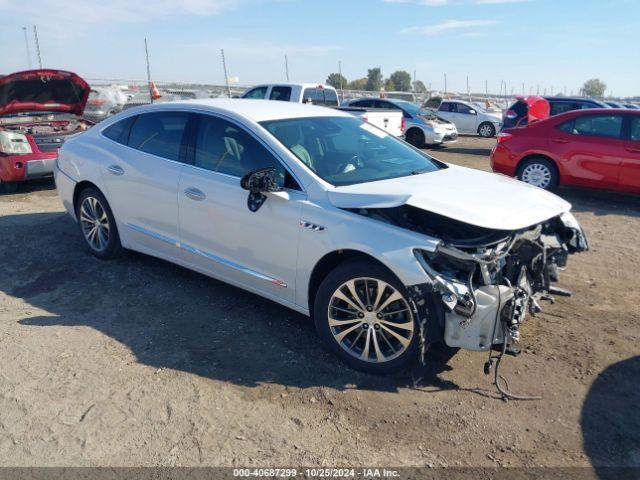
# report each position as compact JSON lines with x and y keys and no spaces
{"x":94,"y":223}
{"x":486,"y":131}
{"x":370,"y":320}
{"x":537,"y":175}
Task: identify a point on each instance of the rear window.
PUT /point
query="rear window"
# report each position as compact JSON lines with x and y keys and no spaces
{"x":280,"y":93}
{"x":159,"y":133}
{"x":321,"y":96}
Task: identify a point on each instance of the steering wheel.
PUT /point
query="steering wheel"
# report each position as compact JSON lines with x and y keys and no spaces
{"x":354,"y":160}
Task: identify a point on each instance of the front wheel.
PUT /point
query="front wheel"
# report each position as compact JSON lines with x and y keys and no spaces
{"x":486,"y":130}
{"x":363,"y":316}
{"x":415,"y":137}
{"x":97,"y":224}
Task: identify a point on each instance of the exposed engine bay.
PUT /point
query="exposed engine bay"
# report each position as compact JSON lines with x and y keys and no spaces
{"x":484,"y":282}
{"x":44,"y":124}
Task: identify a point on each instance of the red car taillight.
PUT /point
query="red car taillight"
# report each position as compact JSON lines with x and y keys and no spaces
{"x":503,"y":137}
{"x":402,"y":124}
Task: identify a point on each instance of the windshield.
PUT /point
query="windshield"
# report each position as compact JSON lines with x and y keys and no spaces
{"x":345,"y":150}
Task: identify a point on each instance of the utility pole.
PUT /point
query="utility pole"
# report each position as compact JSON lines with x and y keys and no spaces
{"x":35,"y":34}
{"x":538,"y":89}
{"x":146,"y":54}
{"x":341,"y":86}
{"x":486,"y":88}
{"x":414,"y":84}
{"x":445,"y":84}
{"x":523,"y":92}
{"x":468,"y":93}
{"x":226,"y":75}
{"x":26,"y":43}
{"x":286,"y":66}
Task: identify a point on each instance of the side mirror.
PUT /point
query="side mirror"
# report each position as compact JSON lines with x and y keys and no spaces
{"x":472,"y":112}
{"x":259,"y":182}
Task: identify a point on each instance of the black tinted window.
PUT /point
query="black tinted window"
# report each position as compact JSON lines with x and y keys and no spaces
{"x":363,"y":103}
{"x":598,"y":125}
{"x":561,"y":107}
{"x":446,"y":107}
{"x":566,"y":126}
{"x":330,"y":98}
{"x":223,"y":147}
{"x":258,"y":93}
{"x":281,"y":93}
{"x":159,"y":133}
{"x":119,"y":131}
{"x":312,"y":95}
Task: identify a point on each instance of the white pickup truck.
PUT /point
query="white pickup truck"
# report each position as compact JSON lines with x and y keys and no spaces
{"x":391,"y":121}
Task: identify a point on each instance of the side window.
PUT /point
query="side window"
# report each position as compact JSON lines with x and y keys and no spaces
{"x":598,"y":125}
{"x":445,"y":107}
{"x":634,"y":132}
{"x":159,"y":133}
{"x":462,"y":108}
{"x":280,"y":93}
{"x":330,"y":98}
{"x":223,"y":147}
{"x":119,"y":131}
{"x":560,"y":107}
{"x":566,"y":126}
{"x":362,"y":104}
{"x":312,"y":95}
{"x":257,"y":93}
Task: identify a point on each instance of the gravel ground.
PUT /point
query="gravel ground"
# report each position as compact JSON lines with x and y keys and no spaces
{"x":137,"y":362}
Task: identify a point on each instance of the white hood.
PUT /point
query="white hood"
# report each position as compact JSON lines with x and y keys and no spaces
{"x":471,"y":196}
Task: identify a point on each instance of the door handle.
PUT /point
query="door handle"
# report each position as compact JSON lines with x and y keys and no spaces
{"x":559,"y":140}
{"x":115,"y":169}
{"x":195,"y":194}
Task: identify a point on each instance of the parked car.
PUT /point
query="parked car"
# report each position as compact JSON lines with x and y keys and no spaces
{"x":326,"y":95}
{"x":39,"y":109}
{"x":387,"y":248}
{"x":421,"y":127}
{"x":598,"y":148}
{"x":514,"y":114}
{"x":313,"y":93}
{"x":615,"y":105}
{"x":104,"y":102}
{"x":470,"y":118}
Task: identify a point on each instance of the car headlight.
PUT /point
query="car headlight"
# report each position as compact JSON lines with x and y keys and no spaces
{"x":14,"y":143}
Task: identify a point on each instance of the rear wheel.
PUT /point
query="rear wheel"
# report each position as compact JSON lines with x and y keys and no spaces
{"x":97,"y":224}
{"x":539,"y":172}
{"x":363,"y":316}
{"x":486,"y":130}
{"x":415,"y":137}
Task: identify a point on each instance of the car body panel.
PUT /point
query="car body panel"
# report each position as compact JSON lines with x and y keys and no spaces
{"x":27,"y":92}
{"x":468,"y":122}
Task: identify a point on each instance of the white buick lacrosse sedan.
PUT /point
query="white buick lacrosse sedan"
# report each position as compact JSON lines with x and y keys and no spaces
{"x":386,"y":248}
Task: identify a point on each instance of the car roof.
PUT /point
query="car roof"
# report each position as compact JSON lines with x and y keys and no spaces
{"x":259,"y":110}
{"x":291,"y":84}
{"x":574,"y":99}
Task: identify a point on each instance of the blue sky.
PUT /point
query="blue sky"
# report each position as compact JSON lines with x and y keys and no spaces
{"x":551,"y":43}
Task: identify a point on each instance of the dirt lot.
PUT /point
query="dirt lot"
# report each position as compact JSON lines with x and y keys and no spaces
{"x":138,"y":362}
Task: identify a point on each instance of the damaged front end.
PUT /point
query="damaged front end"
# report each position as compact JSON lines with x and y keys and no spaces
{"x":483,"y":282}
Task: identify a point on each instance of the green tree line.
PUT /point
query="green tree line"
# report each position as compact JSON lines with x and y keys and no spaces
{"x":398,"y":81}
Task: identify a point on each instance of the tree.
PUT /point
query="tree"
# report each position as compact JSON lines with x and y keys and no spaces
{"x":359,"y":84}
{"x":401,"y":81}
{"x":374,"y":79}
{"x":337,"y":81}
{"x":594,"y":88}
{"x":419,"y":86}
{"x":389,"y":86}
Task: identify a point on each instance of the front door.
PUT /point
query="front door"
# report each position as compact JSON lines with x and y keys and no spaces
{"x":219,"y":235}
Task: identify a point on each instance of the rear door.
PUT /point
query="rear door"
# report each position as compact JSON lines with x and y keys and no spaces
{"x":219,"y":235}
{"x":630,"y":169}
{"x":448,"y":111}
{"x":280,"y":92}
{"x":591,"y":149}
{"x":142,"y":181}
{"x":466,"y":118}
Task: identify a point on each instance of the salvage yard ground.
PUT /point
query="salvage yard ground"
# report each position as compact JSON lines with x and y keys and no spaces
{"x":139,"y":362}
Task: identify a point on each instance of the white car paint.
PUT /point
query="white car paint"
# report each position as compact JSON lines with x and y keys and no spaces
{"x":471,"y":196}
{"x":472,"y":118}
{"x":198,"y":218}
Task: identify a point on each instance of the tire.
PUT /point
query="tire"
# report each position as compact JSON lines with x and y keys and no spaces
{"x":415,"y":137}
{"x":396,"y":349}
{"x":8,"y":187}
{"x":539,"y":172}
{"x":104,"y":243}
{"x":487,"y":130}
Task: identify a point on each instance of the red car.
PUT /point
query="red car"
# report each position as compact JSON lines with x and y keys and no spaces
{"x":596,"y":148}
{"x":38,"y":109}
